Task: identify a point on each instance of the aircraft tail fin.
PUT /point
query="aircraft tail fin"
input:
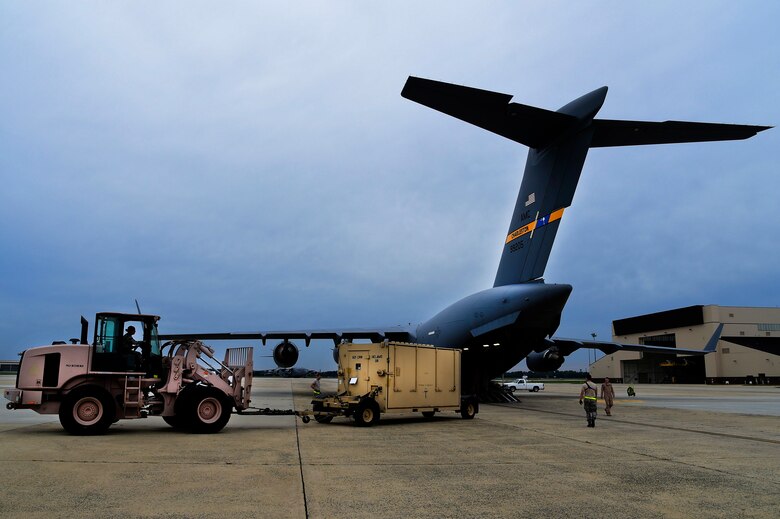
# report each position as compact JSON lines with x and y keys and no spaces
{"x":552,"y":172}
{"x":559,"y":142}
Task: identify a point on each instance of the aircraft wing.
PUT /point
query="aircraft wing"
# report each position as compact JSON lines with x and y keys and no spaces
{"x":567,"y":346}
{"x":393,"y":333}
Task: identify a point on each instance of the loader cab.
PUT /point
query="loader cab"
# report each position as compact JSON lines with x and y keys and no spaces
{"x":116,"y":351}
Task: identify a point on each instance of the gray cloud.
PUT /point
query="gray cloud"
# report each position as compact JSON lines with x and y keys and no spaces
{"x":254,"y":166}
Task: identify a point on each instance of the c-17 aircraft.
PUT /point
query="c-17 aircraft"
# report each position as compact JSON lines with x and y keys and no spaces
{"x":516,"y":318}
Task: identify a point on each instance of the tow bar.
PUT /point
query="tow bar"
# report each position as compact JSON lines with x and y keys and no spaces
{"x":256,"y":411}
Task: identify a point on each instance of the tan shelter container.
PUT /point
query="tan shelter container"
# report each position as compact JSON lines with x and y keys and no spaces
{"x":395,"y":377}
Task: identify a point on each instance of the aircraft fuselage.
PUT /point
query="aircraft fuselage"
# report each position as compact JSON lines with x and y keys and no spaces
{"x":496,"y":328}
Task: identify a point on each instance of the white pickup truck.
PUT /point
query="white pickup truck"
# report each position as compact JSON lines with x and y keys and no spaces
{"x":522,"y":383}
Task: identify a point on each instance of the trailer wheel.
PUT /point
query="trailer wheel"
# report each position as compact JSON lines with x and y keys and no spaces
{"x":87,"y":411}
{"x":208,"y":411}
{"x":468,"y":410}
{"x":429,"y":414}
{"x":367,"y":413}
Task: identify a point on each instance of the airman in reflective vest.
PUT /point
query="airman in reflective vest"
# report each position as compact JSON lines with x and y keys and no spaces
{"x":588,"y":394}
{"x":315,"y":386}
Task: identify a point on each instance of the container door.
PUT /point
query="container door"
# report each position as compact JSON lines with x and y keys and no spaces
{"x":447,"y":377}
{"x":358,"y":376}
{"x":426,"y":377}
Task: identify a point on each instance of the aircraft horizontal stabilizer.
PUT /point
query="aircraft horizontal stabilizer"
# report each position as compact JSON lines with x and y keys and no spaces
{"x":633,"y":133}
{"x":492,"y":111}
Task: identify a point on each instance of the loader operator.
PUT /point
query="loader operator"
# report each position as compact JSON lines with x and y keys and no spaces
{"x":128,"y":341}
{"x":130,"y":357}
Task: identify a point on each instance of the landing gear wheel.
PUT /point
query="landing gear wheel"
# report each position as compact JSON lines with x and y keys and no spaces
{"x":468,"y":410}
{"x":428,"y":414}
{"x":208,"y":410}
{"x":367,"y":413}
{"x":87,"y":411}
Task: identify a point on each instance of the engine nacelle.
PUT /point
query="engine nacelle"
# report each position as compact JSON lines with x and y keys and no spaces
{"x":548,"y":360}
{"x":285,"y":354}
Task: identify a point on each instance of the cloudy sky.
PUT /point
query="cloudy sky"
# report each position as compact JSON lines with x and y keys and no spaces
{"x":246,"y":166}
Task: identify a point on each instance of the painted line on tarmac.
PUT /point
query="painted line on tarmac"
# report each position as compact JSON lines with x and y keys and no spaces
{"x":667,"y":427}
{"x":593,"y":443}
{"x":300,"y":464}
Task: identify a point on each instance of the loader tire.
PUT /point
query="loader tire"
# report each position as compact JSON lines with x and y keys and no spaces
{"x":367,"y":413}
{"x":181,"y":420}
{"x":175,"y":421}
{"x":87,"y":411}
{"x":208,"y":410}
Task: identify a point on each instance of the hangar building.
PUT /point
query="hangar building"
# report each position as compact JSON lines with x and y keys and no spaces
{"x":9,"y":366}
{"x":748,"y":351}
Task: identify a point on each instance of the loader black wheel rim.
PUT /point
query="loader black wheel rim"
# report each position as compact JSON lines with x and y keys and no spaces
{"x":209,"y":410}
{"x":87,"y":411}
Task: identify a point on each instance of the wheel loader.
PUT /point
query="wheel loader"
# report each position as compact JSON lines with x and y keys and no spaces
{"x":92,"y":386}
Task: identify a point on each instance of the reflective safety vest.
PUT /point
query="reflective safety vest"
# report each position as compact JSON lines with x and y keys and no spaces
{"x":586,"y":397}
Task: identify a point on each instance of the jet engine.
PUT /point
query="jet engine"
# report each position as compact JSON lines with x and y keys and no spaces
{"x":285,"y":354}
{"x":548,"y":360}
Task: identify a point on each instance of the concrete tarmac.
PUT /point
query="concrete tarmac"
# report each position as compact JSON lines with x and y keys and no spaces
{"x":534,"y":458}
